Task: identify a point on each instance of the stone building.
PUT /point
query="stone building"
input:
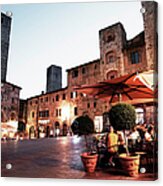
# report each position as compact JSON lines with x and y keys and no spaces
{"x":10,"y":106}
{"x":9,"y":92}
{"x":54,"y":78}
{"x":5,"y":41}
{"x":118,"y":56}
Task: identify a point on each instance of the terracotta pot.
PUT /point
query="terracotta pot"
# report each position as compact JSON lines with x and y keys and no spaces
{"x":130,"y":164}
{"x":89,"y":161}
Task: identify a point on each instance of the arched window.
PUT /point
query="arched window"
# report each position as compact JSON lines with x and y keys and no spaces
{"x":13,"y":116}
{"x":112,"y":74}
{"x":110,"y":57}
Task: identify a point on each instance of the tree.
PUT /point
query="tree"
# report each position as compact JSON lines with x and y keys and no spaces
{"x":83,"y":125}
{"x":122,"y":117}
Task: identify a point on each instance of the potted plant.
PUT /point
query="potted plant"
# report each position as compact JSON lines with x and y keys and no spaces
{"x":122,"y":117}
{"x":83,"y":125}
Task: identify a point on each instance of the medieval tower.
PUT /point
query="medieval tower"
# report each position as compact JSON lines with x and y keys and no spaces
{"x":112,"y":41}
{"x":5,"y":41}
{"x":54,"y":78}
{"x":150,"y":30}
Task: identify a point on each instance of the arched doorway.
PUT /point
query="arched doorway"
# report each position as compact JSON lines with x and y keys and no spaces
{"x":57,"y":129}
{"x":48,"y":131}
{"x":31,"y":132}
{"x":21,"y":126}
{"x":65,"y":129}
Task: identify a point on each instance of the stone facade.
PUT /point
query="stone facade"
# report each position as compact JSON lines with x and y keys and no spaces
{"x":118,"y":56}
{"x":151,"y":34}
{"x":54,"y":78}
{"x":9,"y":103}
{"x":112,"y":42}
{"x":5,"y":40}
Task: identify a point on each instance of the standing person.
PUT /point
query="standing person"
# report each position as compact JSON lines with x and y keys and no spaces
{"x":112,"y":146}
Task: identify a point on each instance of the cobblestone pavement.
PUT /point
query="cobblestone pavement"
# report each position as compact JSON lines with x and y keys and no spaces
{"x":53,"y":158}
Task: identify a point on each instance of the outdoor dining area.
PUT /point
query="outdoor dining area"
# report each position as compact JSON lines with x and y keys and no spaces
{"x":142,"y":141}
{"x":128,"y":139}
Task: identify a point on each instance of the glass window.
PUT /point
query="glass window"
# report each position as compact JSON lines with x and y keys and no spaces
{"x":57,"y":97}
{"x":33,"y":114}
{"x":13,"y":101}
{"x":74,"y":73}
{"x":83,"y":70}
{"x":64,"y":96}
{"x":88,"y":105}
{"x":60,"y":112}
{"x":134,"y":57}
{"x":56,"y":112}
{"x":75,"y":111}
{"x":46,"y":99}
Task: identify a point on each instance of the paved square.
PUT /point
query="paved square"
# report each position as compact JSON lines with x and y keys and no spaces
{"x":53,"y":158}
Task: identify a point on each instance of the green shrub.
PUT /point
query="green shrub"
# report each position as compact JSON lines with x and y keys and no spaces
{"x":83,"y":125}
{"x":122,"y":116}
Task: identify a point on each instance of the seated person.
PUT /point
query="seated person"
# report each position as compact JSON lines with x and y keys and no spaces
{"x":149,"y":134}
{"x":112,"y":145}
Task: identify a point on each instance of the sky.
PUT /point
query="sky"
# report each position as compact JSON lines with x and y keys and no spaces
{"x":64,"y":34}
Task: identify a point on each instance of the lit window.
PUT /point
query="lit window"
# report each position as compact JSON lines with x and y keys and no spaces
{"x":60,"y":112}
{"x":73,"y":95}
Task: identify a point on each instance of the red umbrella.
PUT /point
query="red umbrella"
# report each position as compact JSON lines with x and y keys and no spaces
{"x":128,"y":87}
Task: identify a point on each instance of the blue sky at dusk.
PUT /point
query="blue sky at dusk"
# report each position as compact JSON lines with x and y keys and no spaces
{"x":64,"y":34}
